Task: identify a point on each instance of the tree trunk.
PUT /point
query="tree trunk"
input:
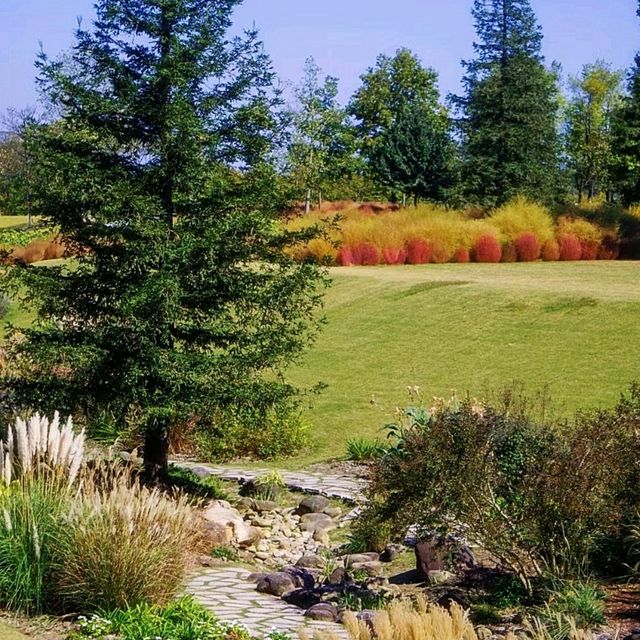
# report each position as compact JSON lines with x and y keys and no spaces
{"x":307,"y":202}
{"x":404,"y":199}
{"x":156,"y":449}
{"x":320,"y":198}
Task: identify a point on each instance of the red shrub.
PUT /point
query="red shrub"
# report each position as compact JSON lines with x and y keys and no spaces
{"x":345,"y":256}
{"x":418,"y":251}
{"x":570,"y":248}
{"x":509,"y":253}
{"x":551,"y":251}
{"x":528,"y":247}
{"x":462,"y":255}
{"x":589,"y":249}
{"x":439,"y":253}
{"x":487,"y":249}
{"x":369,"y":254}
{"x":393,"y":255}
{"x":610,"y":248}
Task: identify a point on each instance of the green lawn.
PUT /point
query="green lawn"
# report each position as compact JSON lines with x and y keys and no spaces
{"x":473,"y":328}
{"x":15,"y":222}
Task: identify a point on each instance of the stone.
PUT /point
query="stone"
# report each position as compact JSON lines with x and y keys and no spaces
{"x":311,"y":561}
{"x":324,"y":611}
{"x":437,"y":554}
{"x":303,"y":578}
{"x":333,"y":512}
{"x":438,"y":578}
{"x":391,"y":552}
{"x":252,"y":536}
{"x":262,"y":506}
{"x":312,"y":504}
{"x":218,"y":534}
{"x":321,"y":537}
{"x":277,"y":584}
{"x":302,"y":598}
{"x":483,"y":633}
{"x":256,"y":577}
{"x":359,"y":558}
{"x":372,"y":567}
{"x":452,"y":597}
{"x":221,"y":513}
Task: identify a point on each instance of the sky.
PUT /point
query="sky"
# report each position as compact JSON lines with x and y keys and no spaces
{"x":344,"y":36}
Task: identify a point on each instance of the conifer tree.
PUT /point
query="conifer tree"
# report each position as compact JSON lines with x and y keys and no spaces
{"x":180,"y":299}
{"x":508,"y":113}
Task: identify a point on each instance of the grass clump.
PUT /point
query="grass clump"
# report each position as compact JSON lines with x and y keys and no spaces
{"x":210,"y":487}
{"x":521,"y":216}
{"x":364,"y":449}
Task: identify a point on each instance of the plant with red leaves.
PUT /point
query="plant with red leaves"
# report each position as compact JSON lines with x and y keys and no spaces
{"x":550,"y":251}
{"x":462,"y":255}
{"x":345,"y":256}
{"x":528,"y":247}
{"x":590,"y":249}
{"x":418,"y":251}
{"x":570,"y":248}
{"x":509,"y":252}
{"x":440,"y":253}
{"x":487,"y":249}
{"x":370,"y":254}
{"x":394,"y":255}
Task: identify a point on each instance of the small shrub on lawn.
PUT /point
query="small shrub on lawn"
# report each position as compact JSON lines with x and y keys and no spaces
{"x":610,"y":247}
{"x":370,"y":255}
{"x":394,"y":255}
{"x":224,"y":553}
{"x":462,"y":255}
{"x":589,"y":250}
{"x":210,"y":487}
{"x":359,"y":449}
{"x":487,"y":249}
{"x":550,"y":251}
{"x":345,"y":257}
{"x":528,"y":247}
{"x":520,"y":216}
{"x":570,"y":247}
{"x":440,"y":252}
{"x":418,"y":251}
{"x":509,"y":253}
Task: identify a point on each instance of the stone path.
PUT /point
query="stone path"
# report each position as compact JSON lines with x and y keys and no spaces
{"x":344,"y":488}
{"x":228,"y":593}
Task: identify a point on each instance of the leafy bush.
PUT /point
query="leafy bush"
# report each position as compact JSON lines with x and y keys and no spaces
{"x":509,"y":253}
{"x":487,"y":249}
{"x":520,"y":216}
{"x":394,"y":255}
{"x":367,"y":254}
{"x":610,"y":247}
{"x":23,"y":237}
{"x":528,"y":247}
{"x":126,"y":544}
{"x":513,"y":481}
{"x":5,"y":305}
{"x":462,"y":255}
{"x":210,"y":487}
{"x":359,"y":449}
{"x":345,"y":256}
{"x":550,"y":251}
{"x":582,"y":601}
{"x":418,"y":251}
{"x":570,"y":247}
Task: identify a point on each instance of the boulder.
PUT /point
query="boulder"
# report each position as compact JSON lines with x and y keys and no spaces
{"x":438,"y":578}
{"x":217,"y":534}
{"x":359,"y":558}
{"x":438,"y":554}
{"x":222,"y":514}
{"x":333,"y":512}
{"x":277,"y":584}
{"x":391,"y":552}
{"x":322,"y":537}
{"x":302,"y":598}
{"x":310,"y":561}
{"x":313,"y":522}
{"x":372,"y":567}
{"x":313,"y":504}
{"x":256,"y":577}
{"x":303,"y":578}
{"x":324,"y":611}
{"x":338,"y":576}
{"x":263,"y":506}
{"x":250,"y":537}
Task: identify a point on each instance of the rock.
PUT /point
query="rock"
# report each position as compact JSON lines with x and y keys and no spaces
{"x":206,"y":561}
{"x":338,"y":576}
{"x":302,"y":598}
{"x":221,"y":513}
{"x":201,"y":472}
{"x":261,"y":522}
{"x":252,"y":536}
{"x":391,"y":552}
{"x":277,"y":584}
{"x":454,"y":597}
{"x":359,"y":558}
{"x":303,"y":578}
{"x":324,"y":611}
{"x":372,"y":567}
{"x":322,"y":537}
{"x":313,"y":504}
{"x":438,"y":578}
{"x":313,"y":522}
{"x":310,"y":561}
{"x":333,"y":512}
{"x":483,"y":633}
{"x":437,"y":554}
{"x":256,"y":577}
{"x":262,"y":555}
{"x":218,"y":534}
{"x":262,"y":506}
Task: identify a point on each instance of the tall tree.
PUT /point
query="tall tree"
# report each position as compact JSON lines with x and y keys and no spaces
{"x":321,"y":149}
{"x":508,"y":113}
{"x":180,"y":298}
{"x":595,"y":95}
{"x":395,"y":89}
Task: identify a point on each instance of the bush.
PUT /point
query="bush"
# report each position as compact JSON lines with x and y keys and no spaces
{"x":550,"y":251}
{"x":440,"y":252}
{"x":359,"y":449}
{"x":369,"y":254}
{"x":582,"y":601}
{"x":528,"y":247}
{"x":610,"y":247}
{"x":126,"y":545}
{"x":570,"y":248}
{"x":487,"y":249}
{"x":345,"y":257}
{"x":210,"y":487}
{"x":520,"y":216}
{"x":462,"y":255}
{"x":509,"y":253}
{"x":418,"y":251}
{"x":394,"y":255}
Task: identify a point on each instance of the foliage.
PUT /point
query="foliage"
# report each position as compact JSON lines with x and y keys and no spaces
{"x":182,"y":619}
{"x":14,"y":174}
{"x":528,"y":247}
{"x":157,"y":172}
{"x":510,"y":484}
{"x":509,"y":108}
{"x":595,"y":95}
{"x":582,"y":601}
{"x":360,"y":449}
{"x":356,"y":599}
{"x":224,"y":553}
{"x":487,"y":249}
{"x":520,"y":216}
{"x":569,"y":246}
{"x":126,"y":545}
{"x":211,"y":487}
{"x":550,"y":251}
{"x":23,"y":237}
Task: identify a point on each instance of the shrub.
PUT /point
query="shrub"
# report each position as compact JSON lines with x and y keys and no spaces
{"x":528,"y":247}
{"x":570,"y":248}
{"x":487,"y":249}
{"x":462,"y":255}
{"x":126,"y":545}
{"x":582,"y":229}
{"x":394,"y":255}
{"x":589,"y":250}
{"x":369,"y":254}
{"x":440,"y":252}
{"x":5,"y":305}
{"x":418,"y":251}
{"x":509,"y":253}
{"x":581,"y":601}
{"x":550,"y":251}
{"x":520,"y":216}
{"x":359,"y":449}
{"x":345,"y":257}
{"x":610,"y":247}
{"x":211,"y":487}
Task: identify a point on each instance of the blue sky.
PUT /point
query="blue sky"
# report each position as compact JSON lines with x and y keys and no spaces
{"x":344,"y":36}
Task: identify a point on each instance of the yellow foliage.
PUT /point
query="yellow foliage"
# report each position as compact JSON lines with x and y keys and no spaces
{"x":584,"y":230}
{"x":520,"y":216}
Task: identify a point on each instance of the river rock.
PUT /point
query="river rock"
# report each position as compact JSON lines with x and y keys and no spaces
{"x":311,"y":561}
{"x":277,"y":584}
{"x":223,"y":514}
{"x":312,"y":504}
{"x":324,"y":611}
{"x":302,"y":598}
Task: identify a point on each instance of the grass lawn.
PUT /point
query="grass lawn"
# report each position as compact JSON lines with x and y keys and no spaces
{"x":573,"y":327}
{"x":8,"y":633}
{"x":14,"y":222}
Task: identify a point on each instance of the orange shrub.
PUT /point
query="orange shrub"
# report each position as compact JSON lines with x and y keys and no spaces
{"x":528,"y":247}
{"x":551,"y":251}
{"x":393,"y":255}
{"x":589,"y":250}
{"x":35,"y":251}
{"x":369,"y":254}
{"x":418,"y":251}
{"x":509,"y":253}
{"x":54,"y":250}
{"x":570,"y":248}
{"x":487,"y":249}
{"x":462,"y":255}
{"x":345,"y":256}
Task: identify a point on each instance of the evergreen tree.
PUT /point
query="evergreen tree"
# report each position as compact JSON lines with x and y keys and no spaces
{"x":180,"y":299}
{"x":508,"y":113}
{"x":322,"y":147}
{"x":588,"y":124}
